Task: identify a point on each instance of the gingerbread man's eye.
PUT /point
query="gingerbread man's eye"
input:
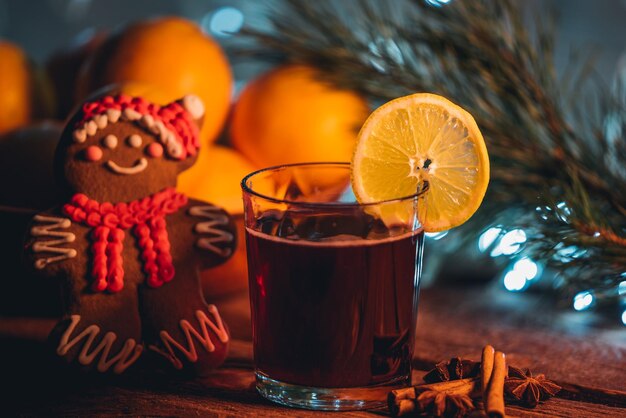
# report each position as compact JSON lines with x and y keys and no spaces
{"x":93,"y":153}
{"x":154,"y":150}
{"x":110,"y":141}
{"x":134,"y":141}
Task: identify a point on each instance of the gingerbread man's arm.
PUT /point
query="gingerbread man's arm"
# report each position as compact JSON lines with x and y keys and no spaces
{"x":50,"y":243}
{"x":214,"y":232}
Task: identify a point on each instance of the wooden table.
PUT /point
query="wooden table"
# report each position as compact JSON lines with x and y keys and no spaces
{"x":589,"y":360}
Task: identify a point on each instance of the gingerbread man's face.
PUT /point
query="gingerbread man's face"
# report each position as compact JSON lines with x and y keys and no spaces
{"x":121,"y":148}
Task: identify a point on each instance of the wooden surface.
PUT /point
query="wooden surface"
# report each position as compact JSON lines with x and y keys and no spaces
{"x":588,"y":359}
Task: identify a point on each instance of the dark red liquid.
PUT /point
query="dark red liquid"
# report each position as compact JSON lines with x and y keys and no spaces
{"x":334,"y":313}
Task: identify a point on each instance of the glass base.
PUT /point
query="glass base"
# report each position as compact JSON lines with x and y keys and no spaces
{"x":327,"y":399}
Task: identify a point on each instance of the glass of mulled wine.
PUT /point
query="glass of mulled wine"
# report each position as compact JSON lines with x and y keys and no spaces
{"x":333,"y":287}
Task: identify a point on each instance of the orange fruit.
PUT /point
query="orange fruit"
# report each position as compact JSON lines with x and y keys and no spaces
{"x":25,"y":90}
{"x":288,"y":115}
{"x":418,"y":139}
{"x":150,"y":92}
{"x":15,"y":86}
{"x":216,"y":177}
{"x":173,"y":54}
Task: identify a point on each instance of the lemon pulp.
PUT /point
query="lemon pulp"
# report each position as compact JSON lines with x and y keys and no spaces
{"x":417,"y":140}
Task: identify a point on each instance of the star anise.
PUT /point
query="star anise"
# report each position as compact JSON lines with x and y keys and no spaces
{"x":440,"y":404}
{"x":453,"y":369}
{"x":529,"y":389}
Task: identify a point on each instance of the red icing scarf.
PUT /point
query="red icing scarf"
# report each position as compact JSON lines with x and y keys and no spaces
{"x":147,"y":218}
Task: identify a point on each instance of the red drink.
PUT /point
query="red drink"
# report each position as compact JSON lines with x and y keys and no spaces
{"x":333,"y":287}
{"x":337,"y":313}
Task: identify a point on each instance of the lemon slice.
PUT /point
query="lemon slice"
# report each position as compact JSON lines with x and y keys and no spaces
{"x":417,"y":140}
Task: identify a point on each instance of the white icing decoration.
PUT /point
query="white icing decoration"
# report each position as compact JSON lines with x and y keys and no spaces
{"x":174,"y":148}
{"x":80,"y":135}
{"x":174,"y":151}
{"x":51,"y":246}
{"x":110,"y":141}
{"x":215,"y":218}
{"x":163,"y":131}
{"x":114,"y":115}
{"x":203,"y":337}
{"x":131,"y":114}
{"x":157,"y":127}
{"x":91,"y":127}
{"x":129,"y":353}
{"x":134,"y":141}
{"x":101,"y":121}
{"x":193,"y":105}
{"x":147,"y":121}
{"x":139,"y":166}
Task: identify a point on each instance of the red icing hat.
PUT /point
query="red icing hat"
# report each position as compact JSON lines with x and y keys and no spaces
{"x":173,"y":124}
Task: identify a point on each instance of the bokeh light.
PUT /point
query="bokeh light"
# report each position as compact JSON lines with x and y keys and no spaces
{"x":510,"y":243}
{"x":437,"y":3}
{"x":223,"y":22}
{"x":527,"y":267}
{"x":583,"y":300}
{"x":488,"y":238}
{"x":436,"y":235}
{"x":514,"y":281}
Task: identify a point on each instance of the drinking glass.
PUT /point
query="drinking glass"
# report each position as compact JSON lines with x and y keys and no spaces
{"x":333,"y":287}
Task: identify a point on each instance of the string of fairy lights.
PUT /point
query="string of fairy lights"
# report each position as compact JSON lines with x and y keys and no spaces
{"x":522,"y":272}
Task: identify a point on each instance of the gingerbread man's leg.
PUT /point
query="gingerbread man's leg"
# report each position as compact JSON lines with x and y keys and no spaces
{"x":186,"y":332}
{"x":101,"y":332}
{"x":179,"y":326}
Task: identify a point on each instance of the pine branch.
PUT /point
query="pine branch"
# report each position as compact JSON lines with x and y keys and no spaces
{"x":550,"y":152}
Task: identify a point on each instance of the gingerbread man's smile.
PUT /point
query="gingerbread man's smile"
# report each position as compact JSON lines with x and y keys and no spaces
{"x":139,"y":166}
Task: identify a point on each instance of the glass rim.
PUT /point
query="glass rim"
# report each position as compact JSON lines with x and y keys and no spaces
{"x":248,"y":190}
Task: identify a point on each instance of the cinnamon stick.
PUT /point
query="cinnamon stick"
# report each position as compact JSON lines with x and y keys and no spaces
{"x":494,"y":398}
{"x":469,"y":386}
{"x":486,"y":369}
{"x":402,"y":401}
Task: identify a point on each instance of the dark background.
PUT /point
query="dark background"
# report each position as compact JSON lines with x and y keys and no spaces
{"x":42,"y":26}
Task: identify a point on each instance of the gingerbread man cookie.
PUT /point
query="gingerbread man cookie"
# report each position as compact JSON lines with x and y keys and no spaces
{"x":126,"y":245}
